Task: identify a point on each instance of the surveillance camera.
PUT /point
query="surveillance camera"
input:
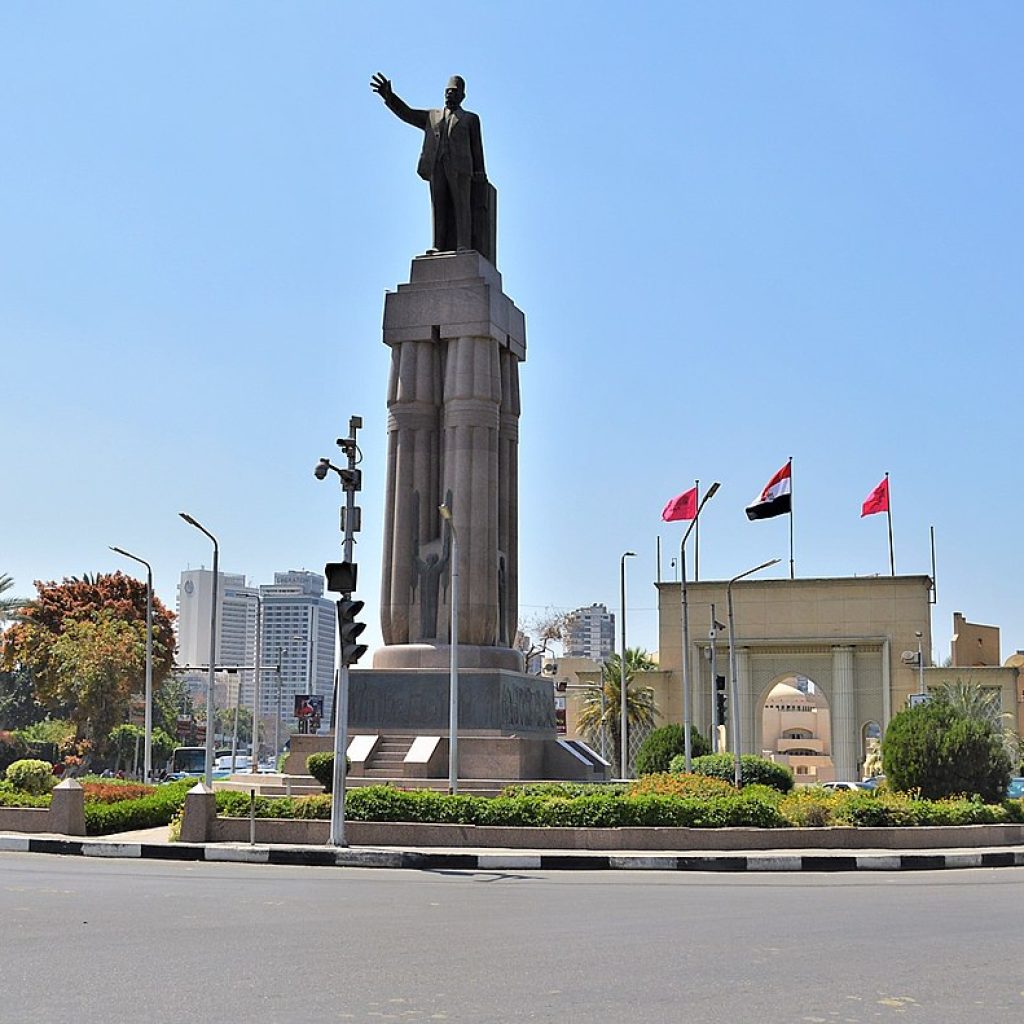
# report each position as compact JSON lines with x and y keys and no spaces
{"x":321,"y":469}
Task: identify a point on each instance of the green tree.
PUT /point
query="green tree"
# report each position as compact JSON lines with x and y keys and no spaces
{"x":978,"y":703}
{"x":641,"y":710}
{"x":127,"y":744}
{"x":225,"y":718}
{"x":163,"y":747}
{"x":57,"y":731}
{"x":935,"y":749}
{"x":92,"y":668}
{"x":169,"y":701}
{"x":18,"y":704}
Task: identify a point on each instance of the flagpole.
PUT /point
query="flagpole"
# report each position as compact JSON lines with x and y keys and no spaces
{"x":792,"y":568}
{"x":696,"y":541}
{"x":888,"y":516}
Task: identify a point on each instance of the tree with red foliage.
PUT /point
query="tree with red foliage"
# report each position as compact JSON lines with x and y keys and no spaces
{"x":40,"y":640}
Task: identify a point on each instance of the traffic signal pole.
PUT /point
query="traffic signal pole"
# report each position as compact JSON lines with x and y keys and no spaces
{"x":341,"y":578}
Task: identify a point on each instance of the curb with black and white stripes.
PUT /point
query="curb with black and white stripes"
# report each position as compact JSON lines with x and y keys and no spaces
{"x":321,"y":856}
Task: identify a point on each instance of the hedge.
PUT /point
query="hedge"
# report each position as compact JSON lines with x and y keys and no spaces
{"x":600,"y":810}
{"x":719,"y":806}
{"x":143,"y":812}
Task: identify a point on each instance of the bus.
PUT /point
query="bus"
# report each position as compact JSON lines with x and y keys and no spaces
{"x":192,"y":760}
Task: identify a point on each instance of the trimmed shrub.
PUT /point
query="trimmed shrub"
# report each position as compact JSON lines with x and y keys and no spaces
{"x":144,"y":812}
{"x":321,"y":767}
{"x":32,"y":776}
{"x":754,"y":770}
{"x":680,"y":784}
{"x":110,"y":791}
{"x":936,"y":751}
{"x":11,"y":797}
{"x":664,"y":743}
{"x":565,"y":789}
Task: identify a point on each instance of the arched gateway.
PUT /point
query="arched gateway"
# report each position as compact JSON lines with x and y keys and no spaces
{"x":847,"y":634}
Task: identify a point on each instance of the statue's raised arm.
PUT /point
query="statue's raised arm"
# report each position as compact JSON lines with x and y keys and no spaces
{"x":382,"y":87}
{"x":452,"y":160}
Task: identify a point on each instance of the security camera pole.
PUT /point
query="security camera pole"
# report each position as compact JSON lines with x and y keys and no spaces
{"x":341,"y":578}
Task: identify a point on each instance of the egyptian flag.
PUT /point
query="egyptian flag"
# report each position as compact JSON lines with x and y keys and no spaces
{"x":777,"y":498}
{"x":878,"y":500}
{"x":682,"y":506}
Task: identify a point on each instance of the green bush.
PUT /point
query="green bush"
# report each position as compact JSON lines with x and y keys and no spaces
{"x":599,"y":810}
{"x":569,"y":789}
{"x":321,"y":767}
{"x":756,"y":806}
{"x":11,"y":797}
{"x":937,"y":752}
{"x":664,"y":743}
{"x":32,"y":776}
{"x":754,"y":770}
{"x":144,"y":812}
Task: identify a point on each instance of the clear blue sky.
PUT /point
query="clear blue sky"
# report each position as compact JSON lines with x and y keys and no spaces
{"x":739,"y":231}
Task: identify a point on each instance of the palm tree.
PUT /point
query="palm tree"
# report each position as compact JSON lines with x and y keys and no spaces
{"x":978,"y":703}
{"x":640,"y":707}
{"x":9,"y":606}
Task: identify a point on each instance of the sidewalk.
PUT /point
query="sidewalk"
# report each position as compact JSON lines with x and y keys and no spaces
{"x":152,"y":844}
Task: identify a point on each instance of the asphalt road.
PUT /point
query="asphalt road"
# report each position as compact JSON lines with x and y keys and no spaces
{"x":85,"y":941}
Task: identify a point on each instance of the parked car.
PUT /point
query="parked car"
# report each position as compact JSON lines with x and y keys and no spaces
{"x":1015,"y":790}
{"x":847,"y":786}
{"x":874,"y":782}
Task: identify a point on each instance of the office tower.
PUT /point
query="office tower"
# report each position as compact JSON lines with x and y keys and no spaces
{"x":589,"y":633}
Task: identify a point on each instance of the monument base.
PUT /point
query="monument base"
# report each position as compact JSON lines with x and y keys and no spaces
{"x":398,"y":729}
{"x":493,"y":701}
{"x":439,"y":656}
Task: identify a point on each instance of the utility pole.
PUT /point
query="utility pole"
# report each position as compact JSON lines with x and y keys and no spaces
{"x":341,"y":579}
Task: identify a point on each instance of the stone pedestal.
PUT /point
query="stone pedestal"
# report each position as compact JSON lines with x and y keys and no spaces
{"x":491,"y":701}
{"x":456,"y":342}
{"x":453,"y":419}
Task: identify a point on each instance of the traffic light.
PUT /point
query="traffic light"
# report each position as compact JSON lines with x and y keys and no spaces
{"x":341,"y":577}
{"x":720,"y":701}
{"x":349,"y":630}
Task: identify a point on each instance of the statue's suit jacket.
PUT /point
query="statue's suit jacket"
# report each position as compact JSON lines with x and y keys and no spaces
{"x":465,"y":146}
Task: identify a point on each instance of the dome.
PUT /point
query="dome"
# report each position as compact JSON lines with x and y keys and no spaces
{"x":786,"y":693}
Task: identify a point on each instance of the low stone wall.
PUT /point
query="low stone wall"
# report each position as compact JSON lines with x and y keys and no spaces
{"x":65,"y":816}
{"x":369,"y":833}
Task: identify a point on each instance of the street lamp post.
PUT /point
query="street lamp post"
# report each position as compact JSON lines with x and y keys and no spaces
{"x":148,"y":752}
{"x":687,"y":687}
{"x":213,"y":648}
{"x":735,"y":691}
{"x":453,"y":687}
{"x":623,"y":718}
{"x":254,"y":752}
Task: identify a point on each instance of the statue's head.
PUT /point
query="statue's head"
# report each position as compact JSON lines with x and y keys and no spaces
{"x":454,"y":92}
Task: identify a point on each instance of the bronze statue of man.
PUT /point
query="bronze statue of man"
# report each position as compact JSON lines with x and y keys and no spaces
{"x":451,"y":160}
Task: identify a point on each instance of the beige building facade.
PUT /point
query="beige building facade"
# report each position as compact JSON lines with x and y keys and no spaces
{"x":847,"y":635}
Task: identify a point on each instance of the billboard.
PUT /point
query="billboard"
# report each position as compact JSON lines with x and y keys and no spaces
{"x":309,"y":710}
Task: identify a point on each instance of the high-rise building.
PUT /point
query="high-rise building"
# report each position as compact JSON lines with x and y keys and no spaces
{"x":589,"y":633}
{"x":236,"y":632}
{"x":297,"y":633}
{"x":299,"y":626}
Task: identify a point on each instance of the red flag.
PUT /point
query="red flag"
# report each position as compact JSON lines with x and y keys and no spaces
{"x":877,"y":500}
{"x":682,"y":506}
